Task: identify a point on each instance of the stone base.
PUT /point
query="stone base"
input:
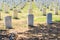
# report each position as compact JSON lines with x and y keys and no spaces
{"x":9,"y":28}
{"x":30,"y":26}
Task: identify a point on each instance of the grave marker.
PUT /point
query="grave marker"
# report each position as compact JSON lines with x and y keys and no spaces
{"x":19,"y":9}
{"x":8,"y":22}
{"x":51,"y":6}
{"x":30,"y":16}
{"x":6,"y":8}
{"x":30,"y":19}
{"x":47,"y":4}
{"x":15,"y":14}
{"x":44,"y":11}
{"x":56,"y":11}
{"x":49,"y":18}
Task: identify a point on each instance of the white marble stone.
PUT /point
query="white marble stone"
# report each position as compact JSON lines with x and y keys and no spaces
{"x":8,"y":22}
{"x":49,"y":18}
{"x":56,"y":11}
{"x":30,"y":19}
{"x":44,"y":11}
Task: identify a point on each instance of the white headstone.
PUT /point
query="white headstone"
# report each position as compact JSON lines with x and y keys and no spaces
{"x":49,"y":18}
{"x":6,"y":8}
{"x":30,"y":19}
{"x":56,"y":11}
{"x":8,"y":22}
{"x":15,"y":14}
{"x":44,"y":11}
{"x":51,"y":6}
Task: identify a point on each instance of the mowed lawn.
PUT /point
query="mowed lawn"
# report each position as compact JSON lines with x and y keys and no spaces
{"x":22,"y":21}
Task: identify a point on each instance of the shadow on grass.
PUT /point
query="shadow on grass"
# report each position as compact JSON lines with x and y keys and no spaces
{"x":57,"y":20}
{"x":1,"y":19}
{"x":7,"y":12}
{"x":16,"y":18}
{"x":41,"y":29}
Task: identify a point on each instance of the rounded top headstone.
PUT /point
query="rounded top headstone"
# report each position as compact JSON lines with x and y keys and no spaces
{"x":49,"y":18}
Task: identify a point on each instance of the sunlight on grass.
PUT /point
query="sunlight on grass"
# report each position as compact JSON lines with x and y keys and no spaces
{"x":22,"y":21}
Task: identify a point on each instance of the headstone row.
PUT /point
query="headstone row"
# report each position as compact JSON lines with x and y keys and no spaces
{"x":8,"y":20}
{"x":31,"y":19}
{"x":47,"y":3}
{"x":10,"y":4}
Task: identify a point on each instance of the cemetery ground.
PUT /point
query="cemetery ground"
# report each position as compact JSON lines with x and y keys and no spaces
{"x":20,"y":25}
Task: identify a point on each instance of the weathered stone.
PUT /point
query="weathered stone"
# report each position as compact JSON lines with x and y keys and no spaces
{"x":51,"y":7}
{"x":56,"y":11}
{"x":15,"y":14}
{"x":44,"y":11}
{"x":49,"y":18}
{"x":8,"y":22}
{"x":30,"y":19}
{"x":6,"y":8}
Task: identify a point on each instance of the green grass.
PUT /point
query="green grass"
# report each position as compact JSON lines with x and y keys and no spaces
{"x":38,"y":17}
{"x":36,"y":12}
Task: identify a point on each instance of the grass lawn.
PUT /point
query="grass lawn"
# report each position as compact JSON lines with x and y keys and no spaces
{"x":22,"y":21}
